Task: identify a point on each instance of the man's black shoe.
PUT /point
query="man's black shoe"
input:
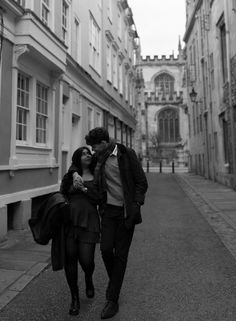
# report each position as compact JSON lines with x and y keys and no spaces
{"x":109,"y":310}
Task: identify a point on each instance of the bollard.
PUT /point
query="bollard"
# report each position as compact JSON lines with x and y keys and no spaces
{"x":147,"y":165}
{"x":160,"y":166}
{"x":173,"y":167}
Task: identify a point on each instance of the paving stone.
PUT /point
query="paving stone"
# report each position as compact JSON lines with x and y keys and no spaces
{"x":21,"y":283}
{"x":7,"y":277}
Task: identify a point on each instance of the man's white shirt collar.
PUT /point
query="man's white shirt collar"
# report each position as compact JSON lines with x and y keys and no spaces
{"x":115,"y":150}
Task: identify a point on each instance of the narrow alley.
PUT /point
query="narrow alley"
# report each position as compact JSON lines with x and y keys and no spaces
{"x":178,"y":269}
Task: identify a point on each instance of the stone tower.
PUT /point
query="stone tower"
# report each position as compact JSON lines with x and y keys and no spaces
{"x":163,"y":119}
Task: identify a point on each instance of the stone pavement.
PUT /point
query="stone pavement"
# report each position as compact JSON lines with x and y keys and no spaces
{"x":21,"y":259}
{"x":216,"y":202}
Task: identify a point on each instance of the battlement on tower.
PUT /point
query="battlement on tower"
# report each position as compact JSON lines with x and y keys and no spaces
{"x":162,"y":60}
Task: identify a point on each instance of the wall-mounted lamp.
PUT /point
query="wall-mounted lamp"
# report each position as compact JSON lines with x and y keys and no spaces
{"x":193,"y":95}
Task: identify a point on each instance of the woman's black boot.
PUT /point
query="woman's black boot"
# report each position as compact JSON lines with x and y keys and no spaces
{"x":75,"y":304}
{"x":89,"y":286}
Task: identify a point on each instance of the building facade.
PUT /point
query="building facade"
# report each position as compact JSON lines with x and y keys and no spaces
{"x":66,"y":66}
{"x":210,"y":72}
{"x":162,"y":119}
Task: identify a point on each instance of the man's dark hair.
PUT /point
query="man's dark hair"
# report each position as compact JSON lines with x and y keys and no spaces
{"x":97,"y":135}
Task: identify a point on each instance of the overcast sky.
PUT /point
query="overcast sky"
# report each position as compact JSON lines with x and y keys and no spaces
{"x":159,"y":24}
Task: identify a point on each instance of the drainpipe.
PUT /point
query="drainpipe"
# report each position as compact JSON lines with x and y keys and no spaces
{"x":1,"y":43}
{"x":146,"y":127}
{"x":227,"y":23}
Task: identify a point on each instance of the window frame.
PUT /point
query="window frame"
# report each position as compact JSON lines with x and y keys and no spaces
{"x":42,"y":115}
{"x":90,"y":113}
{"x":120,"y":78}
{"x":94,"y":44}
{"x":77,"y":26}
{"x":47,"y":7}
{"x":223,"y":48}
{"x":26,"y":111}
{"x":115,"y":69}
{"x":65,"y":21}
{"x":164,"y":130}
{"x":170,"y":81}
{"x":109,"y":61}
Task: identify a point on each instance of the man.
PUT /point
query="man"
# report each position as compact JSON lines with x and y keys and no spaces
{"x":119,"y":174}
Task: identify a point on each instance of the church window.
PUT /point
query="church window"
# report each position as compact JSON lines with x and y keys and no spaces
{"x":164,"y":84}
{"x":168,"y":122}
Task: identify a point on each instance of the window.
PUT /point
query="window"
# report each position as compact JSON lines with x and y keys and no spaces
{"x":22,"y":117}
{"x":65,"y":22}
{"x":120,"y":78}
{"x":41,"y":113}
{"x":45,"y":11}
{"x":98,"y":119}
{"x":115,"y":70}
{"x":168,"y":121}
{"x":77,"y":41}
{"x":130,"y":92}
{"x":100,"y":4}
{"x":223,"y":51}
{"x":130,"y":51}
{"x":20,"y":2}
{"x":108,"y":56}
{"x":126,"y":87}
{"x":194,"y":120}
{"x":225,"y":140}
{"x":234,"y":5}
{"x":194,"y":61}
{"x":212,"y":70}
{"x":109,"y":10}
{"x":119,"y":32}
{"x":164,"y":84}
{"x":216,"y":145}
{"x":126,"y":38}
{"x":90,"y":118}
{"x":94,"y":44}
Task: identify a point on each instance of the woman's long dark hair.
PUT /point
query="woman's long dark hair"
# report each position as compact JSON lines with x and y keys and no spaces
{"x":76,"y":160}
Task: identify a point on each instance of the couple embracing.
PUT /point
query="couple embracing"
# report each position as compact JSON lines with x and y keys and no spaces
{"x":111,"y":184}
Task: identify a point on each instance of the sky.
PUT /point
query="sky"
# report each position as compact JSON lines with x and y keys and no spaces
{"x":159,"y":24}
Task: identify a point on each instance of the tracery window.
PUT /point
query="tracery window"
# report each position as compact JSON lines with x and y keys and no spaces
{"x":164,"y":84}
{"x":168,"y":121}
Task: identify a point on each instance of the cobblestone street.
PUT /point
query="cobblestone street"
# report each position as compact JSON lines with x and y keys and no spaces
{"x":179,"y":269}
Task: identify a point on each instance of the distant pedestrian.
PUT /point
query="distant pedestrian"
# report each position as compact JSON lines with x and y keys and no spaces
{"x":119,"y":173}
{"x":83,"y":230}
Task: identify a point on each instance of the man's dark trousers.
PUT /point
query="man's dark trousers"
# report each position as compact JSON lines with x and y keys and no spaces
{"x":115,"y":244}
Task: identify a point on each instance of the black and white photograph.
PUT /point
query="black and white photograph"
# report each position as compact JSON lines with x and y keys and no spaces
{"x":117,"y":160}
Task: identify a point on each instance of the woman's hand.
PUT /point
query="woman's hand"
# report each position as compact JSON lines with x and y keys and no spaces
{"x":78,"y":182}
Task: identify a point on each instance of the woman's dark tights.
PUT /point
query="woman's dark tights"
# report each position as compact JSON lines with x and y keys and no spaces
{"x":84,"y":252}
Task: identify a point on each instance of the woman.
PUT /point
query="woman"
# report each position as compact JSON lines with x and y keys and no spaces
{"x":82,"y":231}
